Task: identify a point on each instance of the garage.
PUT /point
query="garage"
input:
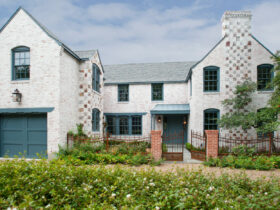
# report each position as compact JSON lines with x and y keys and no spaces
{"x":23,"y":133}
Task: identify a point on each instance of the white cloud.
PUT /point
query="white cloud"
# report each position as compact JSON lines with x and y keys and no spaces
{"x":124,"y":33}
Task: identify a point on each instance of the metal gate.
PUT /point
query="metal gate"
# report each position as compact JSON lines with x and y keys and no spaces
{"x":173,"y":146}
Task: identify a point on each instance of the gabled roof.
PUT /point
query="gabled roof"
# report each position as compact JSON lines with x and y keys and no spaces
{"x":47,"y":31}
{"x":262,"y":45}
{"x":85,"y":54}
{"x":135,"y":73}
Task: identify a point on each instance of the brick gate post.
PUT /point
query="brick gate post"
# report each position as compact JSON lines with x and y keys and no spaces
{"x":156,"y":148}
{"x":212,"y":145}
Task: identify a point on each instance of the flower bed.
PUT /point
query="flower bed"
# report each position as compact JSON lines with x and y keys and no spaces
{"x":43,"y":184}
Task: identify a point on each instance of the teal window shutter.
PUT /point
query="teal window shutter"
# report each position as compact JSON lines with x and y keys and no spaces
{"x":157,"y":92}
{"x":123,"y":92}
{"x":264,"y":77}
{"x":21,"y":63}
{"x":211,"y":79}
{"x":211,"y":117}
{"x":95,"y":120}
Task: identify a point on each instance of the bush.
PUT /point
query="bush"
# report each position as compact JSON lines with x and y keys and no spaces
{"x":245,"y":162}
{"x":54,"y":185}
{"x":244,"y":150}
{"x":95,"y":153}
{"x":193,"y":148}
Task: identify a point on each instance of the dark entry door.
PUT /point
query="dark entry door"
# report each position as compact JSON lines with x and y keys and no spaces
{"x":25,"y":134}
{"x":173,"y":124}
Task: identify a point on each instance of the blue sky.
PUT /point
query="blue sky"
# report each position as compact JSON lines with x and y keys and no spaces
{"x":148,"y":30}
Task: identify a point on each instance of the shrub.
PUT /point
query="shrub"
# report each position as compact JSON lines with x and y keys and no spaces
{"x":245,"y":162}
{"x":54,"y":185}
{"x":193,"y":148}
{"x":244,"y":150}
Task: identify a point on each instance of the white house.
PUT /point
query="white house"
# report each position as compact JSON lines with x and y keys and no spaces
{"x":61,"y":88}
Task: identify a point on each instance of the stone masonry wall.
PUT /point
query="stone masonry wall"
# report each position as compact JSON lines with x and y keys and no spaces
{"x":89,"y":98}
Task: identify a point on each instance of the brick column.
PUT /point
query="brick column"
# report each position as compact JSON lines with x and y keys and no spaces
{"x":212,"y":144}
{"x":156,"y":148}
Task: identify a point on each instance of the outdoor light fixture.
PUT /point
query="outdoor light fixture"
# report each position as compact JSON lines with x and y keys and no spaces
{"x":17,"y":96}
{"x":185,"y":121}
{"x":159,"y":119}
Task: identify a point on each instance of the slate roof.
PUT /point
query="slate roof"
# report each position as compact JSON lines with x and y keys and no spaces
{"x":166,"y":72}
{"x":85,"y":54}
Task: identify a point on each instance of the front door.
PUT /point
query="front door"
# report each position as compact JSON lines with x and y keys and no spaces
{"x":173,"y":125}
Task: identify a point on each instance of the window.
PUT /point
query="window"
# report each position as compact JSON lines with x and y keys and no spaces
{"x":211,"y":117}
{"x":211,"y":79}
{"x":20,"y":63}
{"x":157,"y":92}
{"x":123,"y":92}
{"x":264,"y":77}
{"x":95,"y":78}
{"x":124,"y":124}
{"x":271,"y":116}
{"x":95,"y":119}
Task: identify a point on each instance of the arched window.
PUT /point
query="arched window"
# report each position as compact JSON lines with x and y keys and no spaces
{"x":211,"y":79}
{"x":264,"y":76}
{"x":21,"y":63}
{"x":211,"y":117}
{"x":95,"y":77}
{"x":95,"y":119}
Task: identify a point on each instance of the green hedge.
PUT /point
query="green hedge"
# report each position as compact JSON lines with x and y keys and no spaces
{"x":246,"y":162}
{"x":54,"y":185}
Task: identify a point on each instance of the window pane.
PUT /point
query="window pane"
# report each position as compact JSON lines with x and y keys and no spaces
{"x":211,"y":120}
{"x":264,"y":77}
{"x":123,"y":125}
{"x":136,"y":125}
{"x":211,"y":79}
{"x":123,"y":92}
{"x":21,"y":64}
{"x":157,"y":91}
{"x":111,"y":125}
{"x":95,"y":119}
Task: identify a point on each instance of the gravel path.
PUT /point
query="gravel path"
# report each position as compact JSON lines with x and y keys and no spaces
{"x":172,"y":167}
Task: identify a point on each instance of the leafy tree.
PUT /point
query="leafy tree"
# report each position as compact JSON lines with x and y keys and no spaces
{"x":265,"y":120}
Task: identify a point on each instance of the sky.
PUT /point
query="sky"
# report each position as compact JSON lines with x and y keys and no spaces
{"x":135,"y":31}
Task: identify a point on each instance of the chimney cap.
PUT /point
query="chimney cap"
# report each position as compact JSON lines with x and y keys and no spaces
{"x":237,"y":14}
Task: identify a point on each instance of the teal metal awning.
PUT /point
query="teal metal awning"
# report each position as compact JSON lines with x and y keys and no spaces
{"x":171,"y":109}
{"x":26,"y":110}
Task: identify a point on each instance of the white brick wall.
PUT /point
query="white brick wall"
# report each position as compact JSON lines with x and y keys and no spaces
{"x":140,"y":100}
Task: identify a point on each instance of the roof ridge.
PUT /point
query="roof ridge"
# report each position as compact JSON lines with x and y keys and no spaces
{"x":152,"y":63}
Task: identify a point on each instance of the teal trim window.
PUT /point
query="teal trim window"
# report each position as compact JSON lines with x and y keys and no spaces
{"x":157,"y":92}
{"x":95,"y":120}
{"x":124,"y":124}
{"x":21,"y":63}
{"x":95,"y":78}
{"x":211,"y":117}
{"x":264,"y":76}
{"x":211,"y":78}
{"x":123,"y":92}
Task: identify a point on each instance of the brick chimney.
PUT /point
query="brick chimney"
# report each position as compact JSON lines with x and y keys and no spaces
{"x":236,"y":27}
{"x":236,"y":23}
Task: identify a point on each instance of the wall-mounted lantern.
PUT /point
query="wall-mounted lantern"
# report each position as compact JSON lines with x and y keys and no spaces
{"x":17,"y":96}
{"x":159,"y":119}
{"x":185,"y":121}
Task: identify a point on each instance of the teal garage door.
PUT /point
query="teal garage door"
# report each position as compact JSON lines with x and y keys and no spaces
{"x":25,"y":134}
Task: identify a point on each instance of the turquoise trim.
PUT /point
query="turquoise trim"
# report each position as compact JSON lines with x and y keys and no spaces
{"x":262,"y":45}
{"x":162,"y":91}
{"x":119,"y":92}
{"x":27,"y":110}
{"x":218,"y":79}
{"x":126,"y":114}
{"x":44,"y":29}
{"x":171,"y":112}
{"x":190,"y":72}
{"x":143,"y":83}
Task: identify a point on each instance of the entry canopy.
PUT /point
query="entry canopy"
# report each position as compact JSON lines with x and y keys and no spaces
{"x":171,"y":109}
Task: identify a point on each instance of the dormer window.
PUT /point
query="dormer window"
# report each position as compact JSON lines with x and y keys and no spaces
{"x":21,"y":63}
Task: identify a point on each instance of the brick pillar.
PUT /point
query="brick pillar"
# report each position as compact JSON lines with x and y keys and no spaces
{"x":156,"y":148}
{"x":212,"y":143}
